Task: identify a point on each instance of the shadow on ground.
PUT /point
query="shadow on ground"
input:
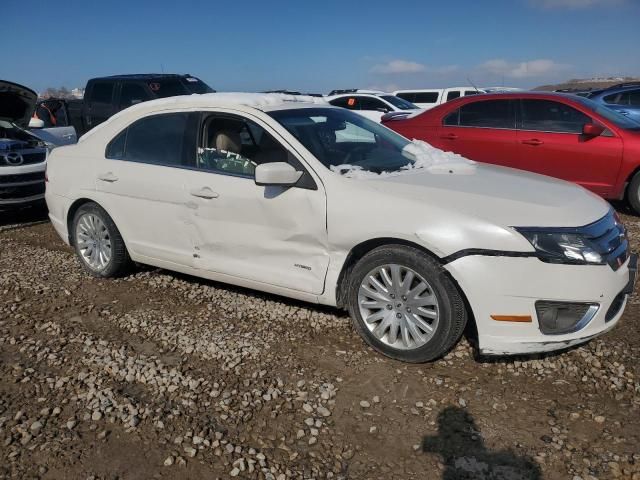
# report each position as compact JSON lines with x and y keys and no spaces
{"x":20,"y":216}
{"x":462,"y":449}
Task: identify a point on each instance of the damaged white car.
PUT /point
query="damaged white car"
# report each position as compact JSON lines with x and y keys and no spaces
{"x":291,"y":196}
{"x":23,"y":152}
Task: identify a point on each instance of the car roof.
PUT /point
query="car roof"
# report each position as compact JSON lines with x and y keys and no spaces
{"x":514,"y":95}
{"x":359,"y":94}
{"x":615,"y":89}
{"x":264,"y":102}
{"x":436,"y":89}
{"x":144,"y":76}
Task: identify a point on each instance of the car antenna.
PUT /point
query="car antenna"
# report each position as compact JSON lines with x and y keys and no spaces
{"x":473,"y":85}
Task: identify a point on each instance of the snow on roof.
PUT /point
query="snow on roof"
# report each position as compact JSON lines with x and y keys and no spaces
{"x":260,"y":101}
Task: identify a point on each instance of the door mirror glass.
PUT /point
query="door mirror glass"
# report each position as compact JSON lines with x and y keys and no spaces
{"x":36,"y":123}
{"x":592,"y":129}
{"x":276,"y":173}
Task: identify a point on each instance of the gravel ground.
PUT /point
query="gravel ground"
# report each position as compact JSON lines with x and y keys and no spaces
{"x":160,"y":375}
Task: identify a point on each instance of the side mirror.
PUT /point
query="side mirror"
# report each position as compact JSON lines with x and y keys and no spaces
{"x":592,"y":129}
{"x":276,"y":173}
{"x":36,"y":123}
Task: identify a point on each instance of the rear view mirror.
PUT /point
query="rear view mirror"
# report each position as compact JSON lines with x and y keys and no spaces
{"x":276,"y":173}
{"x":592,"y":129}
{"x":36,"y":123}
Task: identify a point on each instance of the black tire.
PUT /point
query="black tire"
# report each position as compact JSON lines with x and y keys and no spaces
{"x":120,"y":262}
{"x":633,"y":193}
{"x":451,"y":306}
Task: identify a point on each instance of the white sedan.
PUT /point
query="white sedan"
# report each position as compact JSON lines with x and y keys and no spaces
{"x":265,"y":192}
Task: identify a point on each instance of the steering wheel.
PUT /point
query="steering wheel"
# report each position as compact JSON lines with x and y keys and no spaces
{"x":360,"y":150}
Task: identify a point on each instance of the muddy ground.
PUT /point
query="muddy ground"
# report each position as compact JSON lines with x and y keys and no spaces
{"x":160,"y":375}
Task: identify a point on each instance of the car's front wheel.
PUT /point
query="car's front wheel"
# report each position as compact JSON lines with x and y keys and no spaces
{"x":403,"y":303}
{"x":633,"y":193}
{"x":98,"y":242}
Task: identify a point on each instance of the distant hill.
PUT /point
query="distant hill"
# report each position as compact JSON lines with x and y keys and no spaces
{"x":588,"y":83}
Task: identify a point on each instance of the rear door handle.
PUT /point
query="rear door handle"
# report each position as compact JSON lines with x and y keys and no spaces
{"x":204,"y":192}
{"x":449,"y":136}
{"x":534,"y":141}
{"x":623,"y":112}
{"x":108,"y":177}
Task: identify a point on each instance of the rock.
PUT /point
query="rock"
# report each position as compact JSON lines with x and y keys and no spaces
{"x":364,"y":404}
{"x":323,"y":411}
{"x":36,"y":426}
{"x":169,"y":461}
{"x":599,"y":419}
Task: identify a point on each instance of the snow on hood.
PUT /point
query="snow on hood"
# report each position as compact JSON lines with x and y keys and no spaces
{"x":423,"y":156}
{"x":17,"y":103}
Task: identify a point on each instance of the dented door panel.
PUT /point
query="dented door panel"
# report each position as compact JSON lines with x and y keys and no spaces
{"x":273,"y":235}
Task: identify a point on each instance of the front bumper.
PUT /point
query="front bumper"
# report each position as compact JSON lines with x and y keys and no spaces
{"x":22,"y":185}
{"x":512,"y":285}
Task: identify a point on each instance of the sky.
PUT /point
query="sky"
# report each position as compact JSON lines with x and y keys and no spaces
{"x":316,"y":46}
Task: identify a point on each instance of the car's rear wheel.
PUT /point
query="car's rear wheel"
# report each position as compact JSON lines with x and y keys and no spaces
{"x":633,"y":193}
{"x":404,"y":304}
{"x":98,"y":242}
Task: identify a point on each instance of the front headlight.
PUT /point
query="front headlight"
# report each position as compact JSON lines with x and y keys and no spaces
{"x":559,"y":247}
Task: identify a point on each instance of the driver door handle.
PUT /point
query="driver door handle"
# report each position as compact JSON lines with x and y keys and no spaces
{"x":108,"y":177}
{"x":449,"y":136}
{"x":204,"y":192}
{"x":534,"y":141}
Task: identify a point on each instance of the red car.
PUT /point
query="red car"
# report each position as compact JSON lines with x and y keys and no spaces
{"x":563,"y":136}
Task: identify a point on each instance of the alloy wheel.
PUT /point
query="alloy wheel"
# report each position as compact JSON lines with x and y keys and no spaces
{"x":93,"y":241}
{"x":398,"y":306}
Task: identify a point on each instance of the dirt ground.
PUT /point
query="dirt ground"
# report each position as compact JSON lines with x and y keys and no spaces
{"x":160,"y":375}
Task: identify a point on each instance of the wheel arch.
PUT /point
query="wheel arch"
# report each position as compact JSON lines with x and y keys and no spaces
{"x":75,"y":206}
{"x":360,"y":250}
{"x":627,"y":183}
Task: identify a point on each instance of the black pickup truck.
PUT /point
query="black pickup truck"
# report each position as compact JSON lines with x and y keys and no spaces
{"x":106,"y":96}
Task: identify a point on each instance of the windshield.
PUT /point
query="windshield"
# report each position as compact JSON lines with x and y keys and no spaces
{"x":338,"y":137}
{"x":400,"y":103}
{"x":614,"y":117}
{"x":172,"y":87}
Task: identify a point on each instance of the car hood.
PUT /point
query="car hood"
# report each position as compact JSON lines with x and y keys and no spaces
{"x":499,"y":195}
{"x":17,"y":103}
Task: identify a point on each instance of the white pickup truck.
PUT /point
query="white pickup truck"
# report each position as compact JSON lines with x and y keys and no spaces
{"x":430,"y":97}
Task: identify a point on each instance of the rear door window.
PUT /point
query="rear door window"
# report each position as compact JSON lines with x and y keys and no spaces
{"x":484,"y":114}
{"x":102,"y":92}
{"x":426,"y":97}
{"x":159,"y":140}
{"x":133,"y":93}
{"x":352,"y":103}
{"x":550,"y":116}
{"x":617,"y":99}
{"x":453,"y":94}
{"x":374,"y":104}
